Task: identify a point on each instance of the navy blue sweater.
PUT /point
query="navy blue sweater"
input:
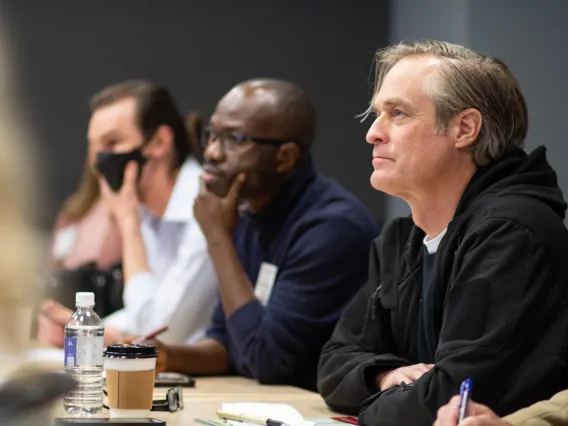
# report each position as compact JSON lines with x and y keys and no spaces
{"x":318,"y":235}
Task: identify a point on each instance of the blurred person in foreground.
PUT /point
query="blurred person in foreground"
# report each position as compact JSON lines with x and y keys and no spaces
{"x":25,"y":393}
{"x":18,"y":255}
{"x":474,"y":283}
{"x":148,"y":176}
{"x":295,"y":256}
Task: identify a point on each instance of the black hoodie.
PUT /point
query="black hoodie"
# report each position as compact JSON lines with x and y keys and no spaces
{"x":499,"y":292}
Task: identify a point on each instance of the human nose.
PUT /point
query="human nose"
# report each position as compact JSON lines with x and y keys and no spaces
{"x":214,"y":150}
{"x":377,"y":133}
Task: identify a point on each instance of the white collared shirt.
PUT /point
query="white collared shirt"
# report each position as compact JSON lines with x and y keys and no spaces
{"x":180,"y":291}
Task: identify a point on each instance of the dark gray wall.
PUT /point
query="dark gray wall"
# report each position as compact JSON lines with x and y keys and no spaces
{"x":67,"y":50}
{"x":533,"y":41}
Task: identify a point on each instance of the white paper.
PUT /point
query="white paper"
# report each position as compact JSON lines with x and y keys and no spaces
{"x":281,"y":412}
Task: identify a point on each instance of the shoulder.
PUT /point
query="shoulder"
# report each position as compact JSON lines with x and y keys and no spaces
{"x":520,"y":213}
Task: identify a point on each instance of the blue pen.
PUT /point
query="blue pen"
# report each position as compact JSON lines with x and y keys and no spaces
{"x":465,"y":396}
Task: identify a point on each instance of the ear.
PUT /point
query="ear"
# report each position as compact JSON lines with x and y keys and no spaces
{"x":466,"y":127}
{"x":287,"y":157}
{"x":162,"y":143}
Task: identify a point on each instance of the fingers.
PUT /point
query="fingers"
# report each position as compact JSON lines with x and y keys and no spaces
{"x":448,"y":414}
{"x":410,"y":376}
{"x":476,"y":409}
{"x":162,"y":361}
{"x":424,"y":368}
{"x":55,"y":312}
{"x":105,"y":189}
{"x":405,"y":374}
{"x":130,"y":175}
{"x":113,"y":337}
{"x":42,"y":329}
{"x":415,"y":372}
{"x":455,"y":402}
{"x":159,"y":345}
{"x":236,"y":187}
{"x":480,"y":415}
{"x":160,"y":366}
{"x":128,"y":340}
{"x":394,"y":379}
{"x":483,"y":420}
{"x":202,"y":186}
{"x":47,"y":304}
{"x":50,"y":333}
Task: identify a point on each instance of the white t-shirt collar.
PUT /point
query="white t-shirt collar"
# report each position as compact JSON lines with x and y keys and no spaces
{"x":433,"y":244}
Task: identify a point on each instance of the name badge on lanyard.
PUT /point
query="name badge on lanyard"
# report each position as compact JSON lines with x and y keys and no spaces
{"x":265,"y":282}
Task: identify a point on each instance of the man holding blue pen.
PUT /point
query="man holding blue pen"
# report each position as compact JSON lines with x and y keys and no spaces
{"x":475,"y":283}
{"x":478,"y":415}
{"x":551,"y":412}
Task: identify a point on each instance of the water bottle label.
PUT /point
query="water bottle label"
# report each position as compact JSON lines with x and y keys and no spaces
{"x":84,"y":351}
{"x":70,"y":351}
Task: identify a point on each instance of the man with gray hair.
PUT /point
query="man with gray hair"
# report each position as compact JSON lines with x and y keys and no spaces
{"x":474,"y":284}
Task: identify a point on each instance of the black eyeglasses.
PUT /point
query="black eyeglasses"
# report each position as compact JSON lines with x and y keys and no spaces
{"x":230,"y":140}
{"x":172,"y":402}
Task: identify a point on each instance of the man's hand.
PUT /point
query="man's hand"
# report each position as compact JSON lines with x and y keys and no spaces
{"x":479,"y":415}
{"x":409,"y":374}
{"x":51,"y":323}
{"x":124,"y":204}
{"x":162,"y":361}
{"x":218,"y":216}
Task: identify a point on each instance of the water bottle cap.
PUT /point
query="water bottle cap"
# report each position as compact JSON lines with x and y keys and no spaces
{"x":85,"y":299}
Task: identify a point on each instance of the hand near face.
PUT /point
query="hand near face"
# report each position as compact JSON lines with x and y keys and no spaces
{"x":124,"y":204}
{"x":479,"y":415}
{"x":217,"y":216}
{"x":404,"y":374}
{"x":51,"y":323}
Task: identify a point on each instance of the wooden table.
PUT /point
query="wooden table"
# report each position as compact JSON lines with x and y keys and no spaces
{"x":210,"y":392}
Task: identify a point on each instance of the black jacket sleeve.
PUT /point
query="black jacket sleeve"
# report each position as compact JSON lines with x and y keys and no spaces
{"x":354,"y":356}
{"x":504,"y":312}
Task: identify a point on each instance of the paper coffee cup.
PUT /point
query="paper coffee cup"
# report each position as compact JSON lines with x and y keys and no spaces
{"x":130,"y":372}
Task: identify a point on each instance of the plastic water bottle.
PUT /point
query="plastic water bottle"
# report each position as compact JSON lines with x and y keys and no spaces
{"x":84,"y":344}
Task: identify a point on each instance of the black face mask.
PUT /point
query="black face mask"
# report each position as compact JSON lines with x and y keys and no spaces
{"x":111,"y":165}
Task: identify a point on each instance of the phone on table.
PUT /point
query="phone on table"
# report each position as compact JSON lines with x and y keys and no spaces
{"x":174,"y":379}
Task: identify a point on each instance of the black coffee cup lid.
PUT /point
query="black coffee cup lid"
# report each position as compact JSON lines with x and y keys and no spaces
{"x":130,"y":351}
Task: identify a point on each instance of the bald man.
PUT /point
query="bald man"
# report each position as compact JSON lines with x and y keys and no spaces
{"x":289,"y":246}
